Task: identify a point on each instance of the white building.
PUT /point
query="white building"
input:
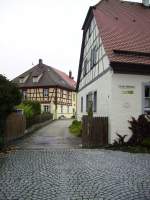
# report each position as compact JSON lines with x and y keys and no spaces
{"x":114,"y":69}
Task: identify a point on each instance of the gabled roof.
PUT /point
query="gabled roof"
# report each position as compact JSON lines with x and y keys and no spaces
{"x":49,"y":77}
{"x":125,"y":31}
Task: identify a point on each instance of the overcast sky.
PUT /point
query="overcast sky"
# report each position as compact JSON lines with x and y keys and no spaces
{"x":47,"y":29}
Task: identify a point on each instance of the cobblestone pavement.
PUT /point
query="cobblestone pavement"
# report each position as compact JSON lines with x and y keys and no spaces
{"x":54,"y":135}
{"x":77,"y":174}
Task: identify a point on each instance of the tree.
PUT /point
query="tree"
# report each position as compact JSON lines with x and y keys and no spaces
{"x":10,"y":96}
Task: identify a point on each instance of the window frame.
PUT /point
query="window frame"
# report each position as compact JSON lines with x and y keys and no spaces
{"x":93,"y":58}
{"x":81,"y":104}
{"x":87,"y":100}
{"x":95,"y":101}
{"x":144,"y":108}
{"x":45,"y":94}
{"x":85,"y":67}
{"x":46,"y":108}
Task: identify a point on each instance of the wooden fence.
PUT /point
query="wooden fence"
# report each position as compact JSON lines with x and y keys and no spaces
{"x":94,"y":131}
{"x":15,"y":127}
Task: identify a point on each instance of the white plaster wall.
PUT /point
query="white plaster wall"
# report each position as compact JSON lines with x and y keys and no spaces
{"x":103,"y":88}
{"x":102,"y":59}
{"x":123,"y":105}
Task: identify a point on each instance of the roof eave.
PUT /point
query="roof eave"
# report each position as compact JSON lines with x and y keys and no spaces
{"x":88,"y":17}
{"x":130,"y":68}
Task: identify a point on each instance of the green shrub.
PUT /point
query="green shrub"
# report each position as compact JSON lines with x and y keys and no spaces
{"x":146,"y":142}
{"x":10,"y":96}
{"x":35,"y":105}
{"x":27,"y":110}
{"x":30,"y":108}
{"x":140,"y":129}
{"x":75,"y":128}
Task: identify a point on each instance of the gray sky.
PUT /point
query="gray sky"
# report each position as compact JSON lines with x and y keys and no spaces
{"x":47,"y":29}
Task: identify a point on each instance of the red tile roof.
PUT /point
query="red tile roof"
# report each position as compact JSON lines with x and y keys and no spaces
{"x":64,"y":76}
{"x":124,"y":26}
{"x":49,"y":77}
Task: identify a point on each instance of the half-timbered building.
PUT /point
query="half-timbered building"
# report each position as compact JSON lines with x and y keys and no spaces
{"x":114,"y":69}
{"x":54,"y":89}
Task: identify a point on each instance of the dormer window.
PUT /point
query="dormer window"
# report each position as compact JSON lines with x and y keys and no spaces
{"x":23,"y":79}
{"x":36,"y":78}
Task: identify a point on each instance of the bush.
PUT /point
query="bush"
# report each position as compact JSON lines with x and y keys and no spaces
{"x":10,"y":96}
{"x":27,"y":110}
{"x":146,"y":142}
{"x":35,"y":105}
{"x":30,"y":108}
{"x":120,"y":140}
{"x":75,"y":128}
{"x":140,"y":129}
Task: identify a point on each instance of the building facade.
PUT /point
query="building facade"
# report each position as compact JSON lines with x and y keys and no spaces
{"x":54,"y":89}
{"x":114,"y":69}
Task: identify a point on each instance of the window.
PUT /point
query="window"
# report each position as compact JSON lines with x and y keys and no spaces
{"x":68,"y":109}
{"x":61,"y":108}
{"x":81,"y":104}
{"x":74,"y":97}
{"x":147,"y":99}
{"x":46,"y":108}
{"x":95,"y":102}
{"x":25,"y":94}
{"x":35,"y":79}
{"x":67,"y":94}
{"x":89,"y":101}
{"x":73,"y":110}
{"x":61,"y":93}
{"x":21,"y":80}
{"x":85,"y":67}
{"x":45,"y":92}
{"x":93,"y":59}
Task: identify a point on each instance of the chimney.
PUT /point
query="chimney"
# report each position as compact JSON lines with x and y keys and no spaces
{"x":40,"y":61}
{"x":70,"y":74}
{"x":146,"y":3}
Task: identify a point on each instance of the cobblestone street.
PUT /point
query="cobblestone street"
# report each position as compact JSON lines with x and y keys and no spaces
{"x":74,"y":174}
{"x":50,"y":165}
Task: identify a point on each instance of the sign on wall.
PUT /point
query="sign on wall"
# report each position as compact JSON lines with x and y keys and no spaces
{"x":127,"y":89}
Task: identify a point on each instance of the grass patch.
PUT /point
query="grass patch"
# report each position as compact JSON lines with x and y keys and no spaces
{"x":75,"y":128}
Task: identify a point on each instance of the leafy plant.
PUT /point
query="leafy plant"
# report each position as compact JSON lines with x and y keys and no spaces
{"x":27,"y":110}
{"x":30,"y":108}
{"x":35,"y":105}
{"x":146,"y":142}
{"x":140,"y":129}
{"x":120,"y":140}
{"x":75,"y":128}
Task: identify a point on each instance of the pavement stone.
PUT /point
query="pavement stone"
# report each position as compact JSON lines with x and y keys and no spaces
{"x":74,"y":174}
